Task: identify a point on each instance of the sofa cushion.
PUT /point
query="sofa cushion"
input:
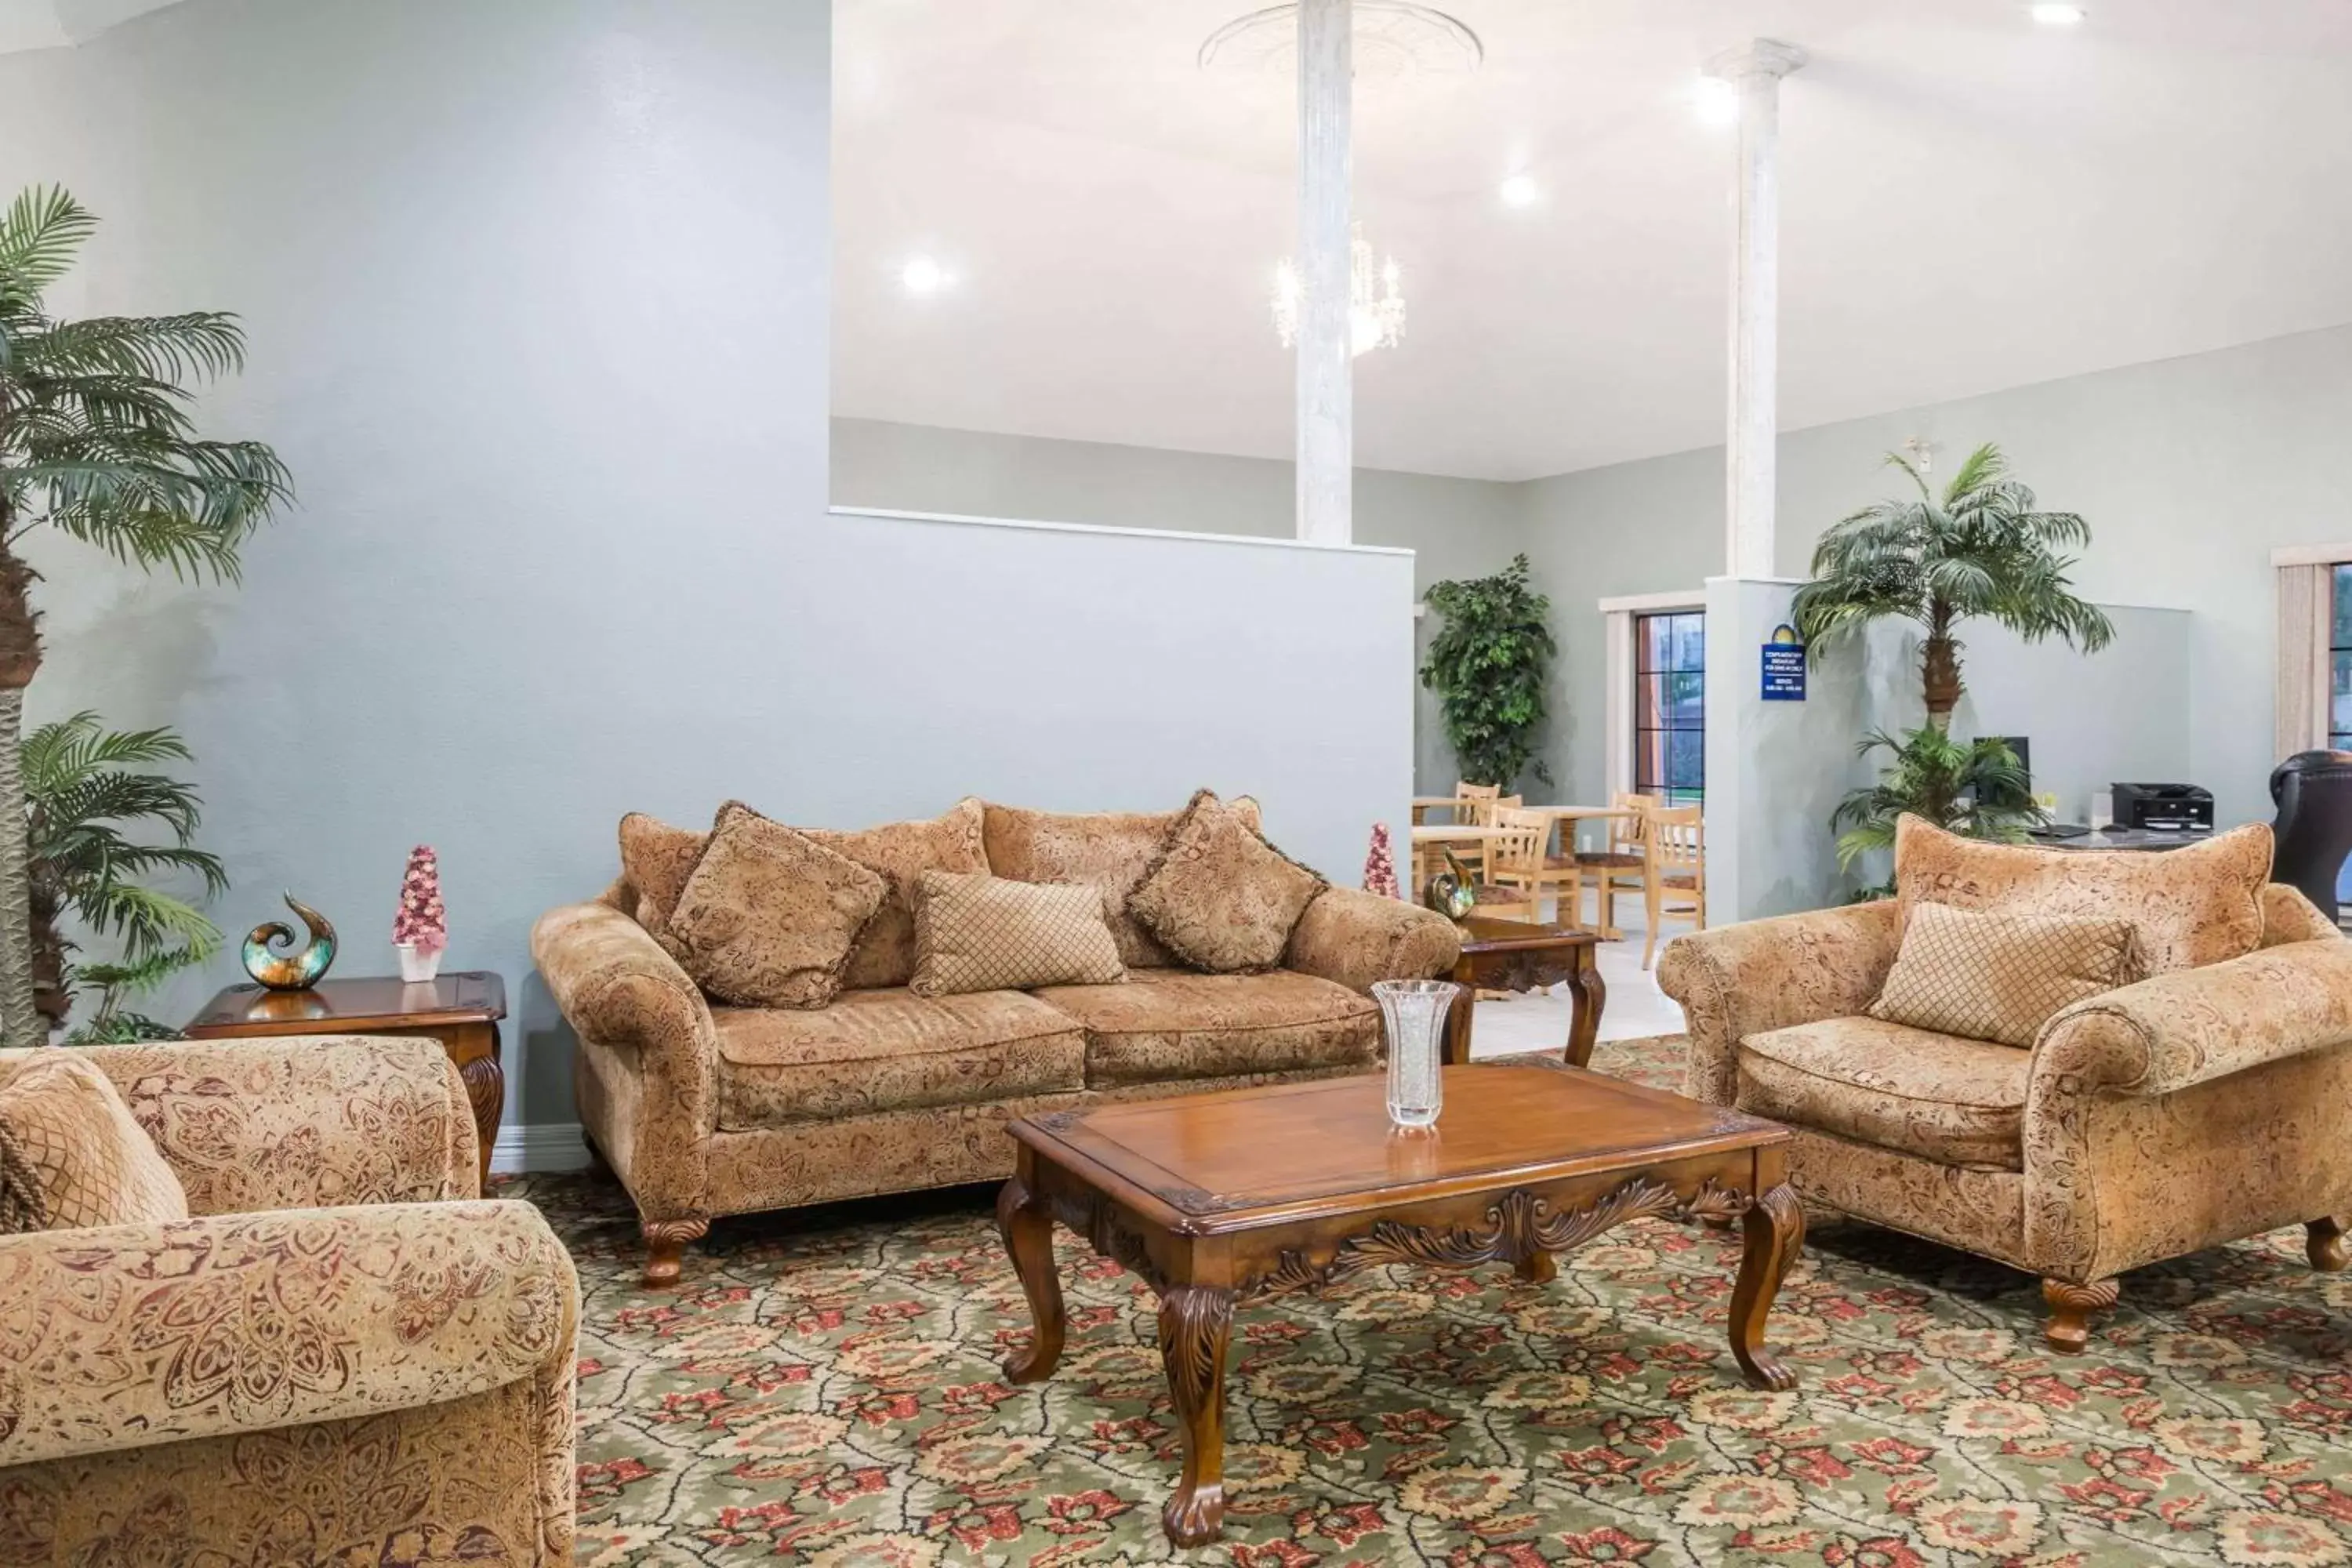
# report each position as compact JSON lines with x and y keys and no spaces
{"x":1217,"y":895}
{"x":1955,"y":1101}
{"x":899,"y":852}
{"x":992,"y":933}
{"x":769,"y":915}
{"x":2196,"y":905}
{"x":891,"y":1050}
{"x":71,"y":1153}
{"x":1111,"y":849}
{"x":655,"y":861}
{"x":1168,"y":1024}
{"x":2000,"y":977}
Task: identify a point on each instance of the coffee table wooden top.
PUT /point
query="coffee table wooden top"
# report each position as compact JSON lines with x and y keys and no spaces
{"x":1490,"y":934}
{"x":1208,"y":1163}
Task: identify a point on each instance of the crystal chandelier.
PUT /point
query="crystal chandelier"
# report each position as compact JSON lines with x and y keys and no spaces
{"x":1375,"y":299}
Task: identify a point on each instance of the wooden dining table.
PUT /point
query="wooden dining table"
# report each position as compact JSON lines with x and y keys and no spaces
{"x":1429,"y":837}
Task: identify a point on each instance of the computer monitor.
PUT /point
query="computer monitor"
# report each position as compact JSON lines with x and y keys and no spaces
{"x":2024,"y":796}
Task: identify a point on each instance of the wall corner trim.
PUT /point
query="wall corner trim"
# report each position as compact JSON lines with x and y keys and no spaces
{"x":1256,"y":541}
{"x":539,"y":1146}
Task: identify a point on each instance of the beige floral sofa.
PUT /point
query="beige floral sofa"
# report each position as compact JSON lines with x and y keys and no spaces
{"x":705,"y":1110}
{"x":2209,"y":1102}
{"x":342,"y":1358}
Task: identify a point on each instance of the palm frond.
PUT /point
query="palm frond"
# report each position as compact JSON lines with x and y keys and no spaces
{"x":207,"y":344}
{"x":40,"y":235}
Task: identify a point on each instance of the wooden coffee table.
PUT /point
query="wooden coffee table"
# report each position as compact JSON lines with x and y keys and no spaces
{"x":1521,"y":955}
{"x":1218,"y":1199}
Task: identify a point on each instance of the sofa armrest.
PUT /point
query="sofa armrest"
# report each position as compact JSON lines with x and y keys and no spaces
{"x":1354,"y":938}
{"x":301,"y":1121}
{"x":123,"y":1336}
{"x":1741,"y":980}
{"x":640,"y":1016}
{"x":2192,"y":1025}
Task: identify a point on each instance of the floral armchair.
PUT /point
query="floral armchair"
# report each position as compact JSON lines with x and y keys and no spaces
{"x":330,"y":1363}
{"x":2205,"y":1104}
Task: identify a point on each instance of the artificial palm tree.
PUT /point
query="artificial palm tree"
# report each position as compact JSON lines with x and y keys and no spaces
{"x":96,"y":442}
{"x":1981,"y":550}
{"x":1974,"y":788}
{"x":84,"y":786}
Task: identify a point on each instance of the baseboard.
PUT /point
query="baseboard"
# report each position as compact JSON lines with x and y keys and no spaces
{"x":542,"y":1146}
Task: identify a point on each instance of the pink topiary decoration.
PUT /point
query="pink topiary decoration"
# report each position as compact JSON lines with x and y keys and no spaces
{"x":1380,"y":865}
{"x":420,"y":920}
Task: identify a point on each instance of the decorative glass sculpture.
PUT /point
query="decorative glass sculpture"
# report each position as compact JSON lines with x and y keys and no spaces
{"x":1413,"y":1011}
{"x":293,"y":968}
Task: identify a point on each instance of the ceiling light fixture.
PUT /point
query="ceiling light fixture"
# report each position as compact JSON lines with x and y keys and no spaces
{"x":1716,"y":101}
{"x":1521,"y":191}
{"x":2054,"y":16}
{"x":1375,"y":299}
{"x":924,"y":276}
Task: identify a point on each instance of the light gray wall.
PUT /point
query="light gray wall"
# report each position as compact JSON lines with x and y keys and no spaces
{"x":2189,"y":471}
{"x":537,"y":297}
{"x":1455,"y":528}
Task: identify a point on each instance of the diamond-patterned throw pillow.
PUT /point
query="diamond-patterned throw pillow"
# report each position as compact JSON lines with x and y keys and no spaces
{"x":1220,"y":897}
{"x":768,"y":916}
{"x":2000,"y":977}
{"x":979,"y":932}
{"x":76,"y":1154}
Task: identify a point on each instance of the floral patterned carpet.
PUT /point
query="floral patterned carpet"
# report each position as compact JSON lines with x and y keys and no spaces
{"x":824,"y":1389}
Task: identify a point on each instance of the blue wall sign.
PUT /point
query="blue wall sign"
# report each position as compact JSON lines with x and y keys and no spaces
{"x":1784,"y":667}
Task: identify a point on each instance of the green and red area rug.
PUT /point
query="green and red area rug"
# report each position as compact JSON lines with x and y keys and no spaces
{"x":824,"y":1389}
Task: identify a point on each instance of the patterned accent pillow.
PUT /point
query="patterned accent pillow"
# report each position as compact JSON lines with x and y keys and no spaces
{"x":768,"y":916}
{"x":979,"y":932}
{"x":87,"y":1158}
{"x":2000,"y":977}
{"x":656,"y":859}
{"x":899,"y":852}
{"x":1219,"y":896}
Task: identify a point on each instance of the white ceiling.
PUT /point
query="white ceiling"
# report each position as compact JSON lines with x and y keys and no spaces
{"x":53,"y":23}
{"x":1970,"y":202}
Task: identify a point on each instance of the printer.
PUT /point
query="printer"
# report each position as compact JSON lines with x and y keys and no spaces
{"x":2164,"y":807}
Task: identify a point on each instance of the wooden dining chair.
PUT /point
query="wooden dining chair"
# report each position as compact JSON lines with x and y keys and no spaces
{"x":1617,"y":868}
{"x":1543,"y":874}
{"x":1478,"y":804}
{"x":1674,"y":866}
{"x":1512,"y":888}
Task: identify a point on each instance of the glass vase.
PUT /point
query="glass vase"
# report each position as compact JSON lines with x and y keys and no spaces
{"x":1413,"y":1013}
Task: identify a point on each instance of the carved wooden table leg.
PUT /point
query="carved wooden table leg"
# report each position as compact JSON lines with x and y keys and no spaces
{"x":1775,"y":1232}
{"x":1588,"y":997}
{"x":1026,"y":1223}
{"x":1194,"y":1322}
{"x":486,"y":1087}
{"x":1536,"y":1267}
{"x":2323,"y":1243}
{"x":2071,"y":1307}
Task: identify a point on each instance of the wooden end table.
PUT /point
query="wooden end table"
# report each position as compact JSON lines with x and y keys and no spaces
{"x":1521,"y":955}
{"x":461,"y":1010}
{"x":1220,"y":1199}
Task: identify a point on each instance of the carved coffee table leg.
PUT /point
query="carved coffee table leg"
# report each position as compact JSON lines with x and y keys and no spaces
{"x":1194,"y":1321}
{"x":1536,"y":1267}
{"x":1027,"y":1226}
{"x":1584,"y":1008}
{"x":1775,"y":1234}
{"x":2323,"y":1243}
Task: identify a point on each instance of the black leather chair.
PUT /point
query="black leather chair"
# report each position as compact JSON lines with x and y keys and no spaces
{"x":2313,"y":790}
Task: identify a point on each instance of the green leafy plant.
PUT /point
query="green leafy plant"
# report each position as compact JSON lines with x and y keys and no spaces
{"x":1489,"y":665}
{"x":1981,"y":550}
{"x":87,"y":789}
{"x":97,"y":443}
{"x":1962,"y":786}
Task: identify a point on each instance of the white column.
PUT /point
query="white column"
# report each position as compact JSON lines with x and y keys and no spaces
{"x":1327,"y":392}
{"x":1751,"y":446}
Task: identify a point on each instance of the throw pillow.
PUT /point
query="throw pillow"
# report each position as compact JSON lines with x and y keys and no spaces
{"x":768,"y":916}
{"x":990,"y":933}
{"x":2000,"y":976}
{"x":2196,"y":905}
{"x":71,"y":1153}
{"x":1219,"y":896}
{"x":899,"y":852}
{"x":656,"y":859}
{"x":1111,"y":849}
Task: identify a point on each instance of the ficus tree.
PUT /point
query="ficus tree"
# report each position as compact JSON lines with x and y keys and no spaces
{"x":1488,"y":664}
{"x":98,"y":441}
{"x":1981,"y":550}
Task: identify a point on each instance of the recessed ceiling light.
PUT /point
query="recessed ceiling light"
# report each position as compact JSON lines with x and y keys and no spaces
{"x":924,"y":276}
{"x":1716,"y":101}
{"x":2055,"y":16}
{"x":1521,"y":191}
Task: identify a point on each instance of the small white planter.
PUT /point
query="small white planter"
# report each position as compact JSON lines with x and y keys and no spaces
{"x":416,"y":965}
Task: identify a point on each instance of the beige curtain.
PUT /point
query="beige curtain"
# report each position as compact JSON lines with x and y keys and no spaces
{"x":2306,"y":616}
